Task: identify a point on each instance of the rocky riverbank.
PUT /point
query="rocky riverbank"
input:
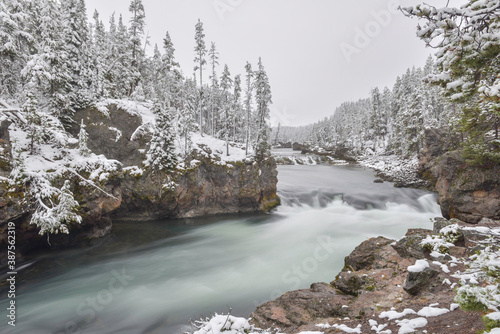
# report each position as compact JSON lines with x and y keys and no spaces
{"x":442,"y":281}
{"x":403,"y":286}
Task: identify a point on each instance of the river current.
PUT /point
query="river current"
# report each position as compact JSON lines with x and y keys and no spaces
{"x":155,"y":277}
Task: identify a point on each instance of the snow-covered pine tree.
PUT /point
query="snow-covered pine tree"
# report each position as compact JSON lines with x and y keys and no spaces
{"x":248,"y":104}
{"x":468,"y":63}
{"x":237,"y":110}
{"x":14,"y":42}
{"x":186,"y":114}
{"x":413,"y":122}
{"x":101,"y":83}
{"x":161,"y":154}
{"x":76,"y":40}
{"x":277,"y":135}
{"x":226,"y":105}
{"x":213,"y":56}
{"x":375,"y":117}
{"x":82,"y":140}
{"x":170,"y":72}
{"x":169,"y":54}
{"x":54,"y":208}
{"x":153,"y":77}
{"x":121,"y":69}
{"x":34,"y":121}
{"x":263,"y":99}
{"x":137,"y":24}
{"x":200,"y":50}
{"x":48,"y":68}
{"x":385,"y":113}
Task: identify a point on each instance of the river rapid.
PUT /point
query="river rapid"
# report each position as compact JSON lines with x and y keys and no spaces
{"x":155,"y":277}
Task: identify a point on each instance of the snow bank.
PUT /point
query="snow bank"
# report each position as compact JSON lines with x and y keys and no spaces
{"x":396,"y":315}
{"x":419,"y":266}
{"x":341,"y":327}
{"x":409,"y":326}
{"x":430,"y":311}
{"x":394,"y":167}
{"x":226,"y":324}
{"x":216,"y":149}
{"x":141,"y":109}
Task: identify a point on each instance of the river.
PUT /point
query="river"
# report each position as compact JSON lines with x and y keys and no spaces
{"x":154,"y":277}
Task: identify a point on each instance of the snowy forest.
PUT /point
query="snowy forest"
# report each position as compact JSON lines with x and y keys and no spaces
{"x":68,"y":62}
{"x":389,"y":121}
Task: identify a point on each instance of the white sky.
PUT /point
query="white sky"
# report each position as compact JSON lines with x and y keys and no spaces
{"x":300,"y":42}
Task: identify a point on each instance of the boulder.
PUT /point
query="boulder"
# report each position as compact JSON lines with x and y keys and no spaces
{"x":366,"y":254}
{"x":117,"y":134}
{"x":466,"y":192}
{"x":304,"y":148}
{"x":409,"y":246}
{"x":416,"y":281}
{"x":300,"y":307}
{"x":349,"y":283}
{"x":440,"y":223}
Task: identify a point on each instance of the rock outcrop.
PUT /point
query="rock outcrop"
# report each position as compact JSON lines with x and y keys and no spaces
{"x":204,"y":187}
{"x":466,"y":192}
{"x":375,"y":290}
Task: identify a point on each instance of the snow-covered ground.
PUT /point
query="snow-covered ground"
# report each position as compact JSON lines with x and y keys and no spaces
{"x":394,"y":168}
{"x":216,"y":149}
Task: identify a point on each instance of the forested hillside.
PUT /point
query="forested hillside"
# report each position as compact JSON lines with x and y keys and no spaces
{"x":389,"y":121}
{"x":458,"y":91}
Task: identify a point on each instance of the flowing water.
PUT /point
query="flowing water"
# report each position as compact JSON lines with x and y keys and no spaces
{"x":154,"y":277}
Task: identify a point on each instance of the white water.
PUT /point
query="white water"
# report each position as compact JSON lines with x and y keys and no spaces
{"x":181,"y":272}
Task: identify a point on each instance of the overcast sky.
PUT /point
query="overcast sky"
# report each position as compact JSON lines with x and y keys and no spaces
{"x":317,"y":53}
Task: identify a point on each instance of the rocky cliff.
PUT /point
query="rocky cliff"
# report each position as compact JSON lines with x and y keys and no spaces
{"x":466,"y":192}
{"x":204,"y":186}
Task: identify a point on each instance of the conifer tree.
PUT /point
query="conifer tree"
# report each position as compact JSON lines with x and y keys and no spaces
{"x":213,"y":55}
{"x":34,"y":121}
{"x":101,"y":83}
{"x":468,"y":63}
{"x":170,"y":70}
{"x":137,"y":24}
{"x":76,"y":41}
{"x":55,"y":208}
{"x":14,"y":42}
{"x":236,"y":109}
{"x":248,"y":103}
{"x":82,"y":140}
{"x":200,"y":50}
{"x":186,"y":114}
{"x":263,"y":99}
{"x":122,"y":68}
{"x":226,"y":83}
{"x":48,"y":69}
{"x":161,"y":154}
